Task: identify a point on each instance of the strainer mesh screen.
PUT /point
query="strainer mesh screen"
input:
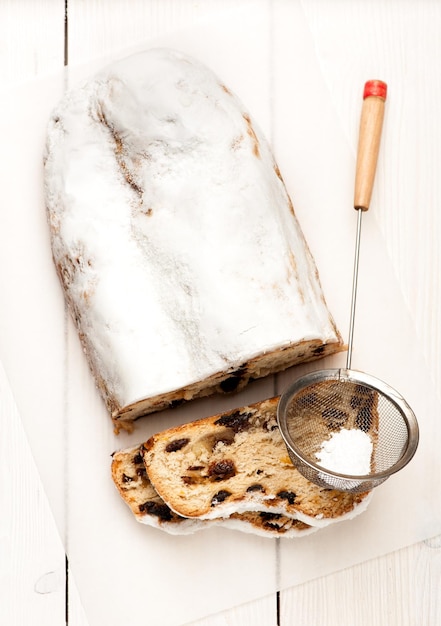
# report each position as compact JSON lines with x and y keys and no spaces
{"x":325,"y":407}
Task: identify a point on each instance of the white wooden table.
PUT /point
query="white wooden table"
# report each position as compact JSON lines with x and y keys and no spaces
{"x":38,"y":37}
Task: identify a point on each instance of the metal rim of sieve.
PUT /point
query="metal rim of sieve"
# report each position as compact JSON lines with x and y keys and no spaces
{"x":360,"y":378}
{"x":371,"y":123}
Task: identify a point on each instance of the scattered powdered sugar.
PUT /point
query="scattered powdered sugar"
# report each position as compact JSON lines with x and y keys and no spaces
{"x":348,"y":451}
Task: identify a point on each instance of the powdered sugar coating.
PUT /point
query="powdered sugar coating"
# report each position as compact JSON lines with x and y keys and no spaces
{"x":172,"y":230}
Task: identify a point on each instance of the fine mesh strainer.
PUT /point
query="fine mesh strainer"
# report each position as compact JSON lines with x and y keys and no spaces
{"x":345,"y":429}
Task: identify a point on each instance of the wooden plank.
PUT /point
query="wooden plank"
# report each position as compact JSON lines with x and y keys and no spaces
{"x":262,"y":611}
{"x":32,"y":561}
{"x":98,"y":27}
{"x":31,"y":40}
{"x":379,"y":40}
{"x":402,"y":47}
{"x":398,"y":589}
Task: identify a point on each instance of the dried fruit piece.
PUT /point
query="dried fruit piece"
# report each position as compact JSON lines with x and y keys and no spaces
{"x":232,"y":382}
{"x":287,"y":495}
{"x":256,"y":487}
{"x":220,"y":496}
{"x":189,"y":480}
{"x":153,"y":508}
{"x":176,"y":444}
{"x":269,"y":516}
{"x":236,"y":421}
{"x":222,"y":470}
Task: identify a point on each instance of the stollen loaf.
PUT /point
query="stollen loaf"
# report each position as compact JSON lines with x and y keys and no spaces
{"x":131,"y":479}
{"x":176,"y":243}
{"x":237,"y":461}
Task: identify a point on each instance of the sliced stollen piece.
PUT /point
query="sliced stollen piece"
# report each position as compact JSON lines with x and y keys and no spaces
{"x":237,"y":461}
{"x":130,"y":477}
{"x":135,"y":488}
{"x":177,"y":246}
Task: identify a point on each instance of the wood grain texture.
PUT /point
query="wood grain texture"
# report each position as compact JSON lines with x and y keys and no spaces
{"x":32,"y":40}
{"x":398,"y":43}
{"x":32,"y":560}
{"x":369,"y":140}
{"x":389,"y":40}
{"x":262,"y":611}
{"x":98,"y":27}
{"x":399,"y":589}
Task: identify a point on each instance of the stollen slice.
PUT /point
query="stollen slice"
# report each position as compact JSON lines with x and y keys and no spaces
{"x":135,"y":488}
{"x":236,"y":462}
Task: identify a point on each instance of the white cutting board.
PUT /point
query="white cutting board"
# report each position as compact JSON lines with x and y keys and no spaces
{"x":126,"y":572}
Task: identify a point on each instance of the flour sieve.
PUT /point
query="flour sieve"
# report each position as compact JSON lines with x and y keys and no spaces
{"x":345,"y":429}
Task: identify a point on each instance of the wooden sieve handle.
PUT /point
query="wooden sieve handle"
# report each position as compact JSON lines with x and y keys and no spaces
{"x":371,"y":123}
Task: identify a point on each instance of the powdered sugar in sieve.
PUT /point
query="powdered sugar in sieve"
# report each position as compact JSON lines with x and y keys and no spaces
{"x":345,"y":429}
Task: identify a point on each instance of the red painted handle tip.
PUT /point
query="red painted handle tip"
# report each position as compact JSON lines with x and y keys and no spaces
{"x":375,"y":88}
